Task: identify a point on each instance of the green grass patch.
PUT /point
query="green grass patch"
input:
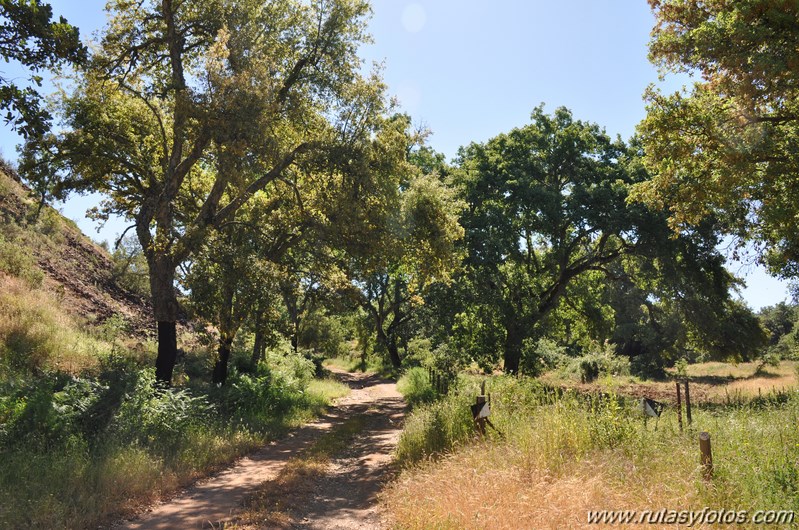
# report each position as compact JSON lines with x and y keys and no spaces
{"x":415,"y":387}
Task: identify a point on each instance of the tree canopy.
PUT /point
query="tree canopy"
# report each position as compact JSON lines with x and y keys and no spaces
{"x":186,"y":110}
{"x":30,"y":36}
{"x":728,"y":148}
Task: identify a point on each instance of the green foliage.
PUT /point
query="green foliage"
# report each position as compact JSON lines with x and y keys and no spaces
{"x":151,"y":416}
{"x":540,"y":355}
{"x":76,"y":448}
{"x":29,"y":36}
{"x":325,"y":334}
{"x":728,"y":147}
{"x":16,"y":260}
{"x":436,"y":428}
{"x":415,"y":387}
{"x":130,"y":267}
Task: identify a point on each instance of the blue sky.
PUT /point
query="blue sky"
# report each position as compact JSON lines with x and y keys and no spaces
{"x":470,"y":69}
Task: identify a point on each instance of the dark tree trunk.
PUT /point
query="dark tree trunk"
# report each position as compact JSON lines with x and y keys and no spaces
{"x":167,"y":352}
{"x":513,"y":347}
{"x":393,"y":354}
{"x":389,"y":343}
{"x":259,"y":343}
{"x":165,"y":308}
{"x":223,"y":357}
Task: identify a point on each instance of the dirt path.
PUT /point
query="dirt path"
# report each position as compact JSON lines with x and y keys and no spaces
{"x":343,"y":498}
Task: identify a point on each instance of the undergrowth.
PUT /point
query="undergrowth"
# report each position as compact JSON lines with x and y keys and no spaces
{"x":566,"y":453}
{"x":80,"y":450}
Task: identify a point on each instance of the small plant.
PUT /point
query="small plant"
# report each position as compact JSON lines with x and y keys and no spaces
{"x":17,"y":261}
{"x":681,"y":368}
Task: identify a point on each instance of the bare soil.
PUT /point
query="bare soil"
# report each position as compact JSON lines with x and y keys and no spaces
{"x":345,"y":497}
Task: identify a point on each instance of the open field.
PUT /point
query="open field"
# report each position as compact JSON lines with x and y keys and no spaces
{"x":559,"y":456}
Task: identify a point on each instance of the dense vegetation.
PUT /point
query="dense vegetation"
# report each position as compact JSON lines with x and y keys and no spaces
{"x":283,"y":212}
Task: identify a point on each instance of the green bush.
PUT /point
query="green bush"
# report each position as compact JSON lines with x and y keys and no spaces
{"x":17,"y":261}
{"x":415,"y":386}
{"x":158,"y":418}
{"x":603,"y":361}
{"x":540,"y":355}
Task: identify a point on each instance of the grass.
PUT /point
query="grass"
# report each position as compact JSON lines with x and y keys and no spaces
{"x":356,"y":363}
{"x":36,"y":335}
{"x":63,"y":469}
{"x":415,"y":387}
{"x":561,"y":455}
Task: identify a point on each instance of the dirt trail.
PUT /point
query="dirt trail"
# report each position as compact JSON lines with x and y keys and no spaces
{"x":345,"y":498}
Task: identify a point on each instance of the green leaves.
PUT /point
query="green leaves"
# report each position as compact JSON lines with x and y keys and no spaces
{"x":29,"y":36}
{"x":729,"y":147}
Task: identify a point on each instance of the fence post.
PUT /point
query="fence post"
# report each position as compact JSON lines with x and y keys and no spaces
{"x":687,"y":403}
{"x":679,"y":407}
{"x":481,"y":422}
{"x":706,"y":455}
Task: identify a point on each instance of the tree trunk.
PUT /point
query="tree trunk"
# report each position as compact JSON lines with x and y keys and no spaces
{"x":295,"y":338}
{"x":223,"y":357}
{"x":513,"y":347}
{"x":259,"y":343}
{"x":387,"y":342}
{"x":393,"y":353}
{"x":165,"y":308}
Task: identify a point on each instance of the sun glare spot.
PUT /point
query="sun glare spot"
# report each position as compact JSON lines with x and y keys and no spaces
{"x":413,"y":18}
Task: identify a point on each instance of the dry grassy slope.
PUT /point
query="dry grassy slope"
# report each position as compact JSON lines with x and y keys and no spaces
{"x":78,"y":271}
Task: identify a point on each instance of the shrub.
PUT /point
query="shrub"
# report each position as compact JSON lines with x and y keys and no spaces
{"x":17,"y":261}
{"x":602,"y":361}
{"x":415,"y":386}
{"x":542,"y":354}
{"x":158,"y":418}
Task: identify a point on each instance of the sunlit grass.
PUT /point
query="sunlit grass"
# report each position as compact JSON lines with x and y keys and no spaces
{"x":558,"y":457}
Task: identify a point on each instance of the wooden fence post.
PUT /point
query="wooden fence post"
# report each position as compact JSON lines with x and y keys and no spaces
{"x":679,"y":407}
{"x":481,"y":422}
{"x":687,"y":403}
{"x":706,"y":455}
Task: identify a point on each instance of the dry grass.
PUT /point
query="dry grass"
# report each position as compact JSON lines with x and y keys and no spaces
{"x":710,"y":382}
{"x":36,"y":334}
{"x":742,"y":379}
{"x":498,"y":487}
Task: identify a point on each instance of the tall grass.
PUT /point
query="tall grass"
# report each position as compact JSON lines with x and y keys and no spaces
{"x":415,"y":387}
{"x":35,"y":335}
{"x":559,"y":456}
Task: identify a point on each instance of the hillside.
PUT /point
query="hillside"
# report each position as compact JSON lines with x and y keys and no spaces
{"x":51,"y":251}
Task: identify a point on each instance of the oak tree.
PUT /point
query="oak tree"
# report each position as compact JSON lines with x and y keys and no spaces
{"x":187,"y":109}
{"x":729,"y":147}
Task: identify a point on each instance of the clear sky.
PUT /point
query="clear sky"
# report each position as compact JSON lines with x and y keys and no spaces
{"x":470,"y":69}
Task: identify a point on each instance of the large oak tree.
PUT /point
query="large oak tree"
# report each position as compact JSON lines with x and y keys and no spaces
{"x":188,"y":108}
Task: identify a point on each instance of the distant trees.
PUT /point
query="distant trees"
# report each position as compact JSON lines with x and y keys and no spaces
{"x":554,"y":250}
{"x":402,"y":241}
{"x":545,"y":204}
